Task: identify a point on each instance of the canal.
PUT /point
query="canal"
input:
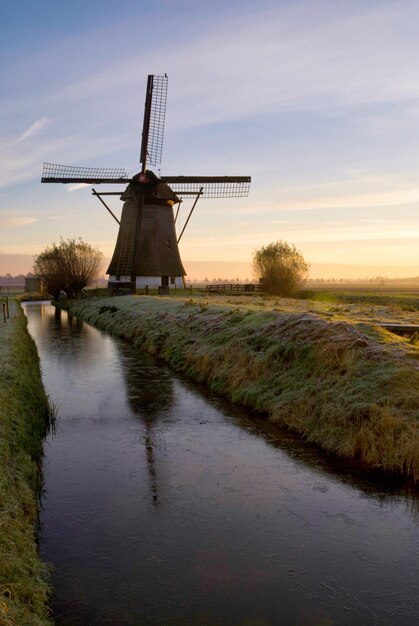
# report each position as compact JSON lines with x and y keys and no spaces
{"x":163,"y":504}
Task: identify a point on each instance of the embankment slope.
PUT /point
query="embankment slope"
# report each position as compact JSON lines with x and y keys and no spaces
{"x":24,"y":416}
{"x":339,"y":388}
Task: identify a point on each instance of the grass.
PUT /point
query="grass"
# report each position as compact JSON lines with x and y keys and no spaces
{"x":406,"y":301}
{"x":33,"y":296}
{"x":24,"y":417}
{"x":347,"y":387}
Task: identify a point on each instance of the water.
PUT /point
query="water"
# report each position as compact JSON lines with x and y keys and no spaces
{"x":165,"y":505}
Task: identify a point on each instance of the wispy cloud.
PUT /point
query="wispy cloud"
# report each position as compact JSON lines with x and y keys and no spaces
{"x":14,"y":221}
{"x":34,"y":129}
{"x":18,"y":164}
{"x":387,"y":197}
{"x":358,"y":190}
{"x":281,"y":59}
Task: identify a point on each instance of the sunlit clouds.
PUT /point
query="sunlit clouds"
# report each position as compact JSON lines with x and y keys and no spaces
{"x":77,"y":186}
{"x":14,"y":221}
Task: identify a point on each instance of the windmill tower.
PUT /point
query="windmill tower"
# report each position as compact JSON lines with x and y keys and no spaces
{"x":146,"y":250}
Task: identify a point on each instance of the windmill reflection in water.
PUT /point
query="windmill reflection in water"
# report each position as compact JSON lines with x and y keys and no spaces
{"x":150,"y":394}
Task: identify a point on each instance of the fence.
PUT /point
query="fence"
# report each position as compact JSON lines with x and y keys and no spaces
{"x":228,"y":287}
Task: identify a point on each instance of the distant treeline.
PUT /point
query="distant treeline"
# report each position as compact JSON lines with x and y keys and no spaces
{"x":376,"y":280}
{"x":14,"y":281}
{"x":19,"y":280}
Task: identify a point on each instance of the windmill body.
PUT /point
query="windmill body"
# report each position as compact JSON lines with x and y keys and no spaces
{"x":146,"y":251}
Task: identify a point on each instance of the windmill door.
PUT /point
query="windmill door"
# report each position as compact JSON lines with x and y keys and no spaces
{"x":164,"y":281}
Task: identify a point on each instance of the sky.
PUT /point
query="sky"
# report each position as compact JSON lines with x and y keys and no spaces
{"x":317,"y":100}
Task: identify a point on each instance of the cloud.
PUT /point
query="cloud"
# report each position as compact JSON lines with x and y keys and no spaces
{"x":14,"y":221}
{"x":358,"y":190}
{"x":36,"y":128}
{"x":310,"y":88}
{"x":299,"y":57}
{"x":18,"y":164}
{"x":389,"y":197}
{"x":280,"y":59}
{"x":77,"y":186}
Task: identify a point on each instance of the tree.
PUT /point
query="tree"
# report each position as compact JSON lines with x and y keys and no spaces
{"x":281,"y":268}
{"x":69,"y":266}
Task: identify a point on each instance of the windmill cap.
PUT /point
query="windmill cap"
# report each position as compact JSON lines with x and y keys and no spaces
{"x":155,"y":189}
{"x":148,"y":177}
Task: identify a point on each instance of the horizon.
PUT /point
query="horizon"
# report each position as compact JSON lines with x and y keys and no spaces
{"x":214,"y":270}
{"x":327,"y":129}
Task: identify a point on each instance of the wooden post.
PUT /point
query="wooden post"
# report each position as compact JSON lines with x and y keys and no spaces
{"x":198,"y":195}
{"x":7,"y":307}
{"x":4,"y":312}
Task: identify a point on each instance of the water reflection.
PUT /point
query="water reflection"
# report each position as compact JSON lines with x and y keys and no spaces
{"x":245,"y":525}
{"x":150,"y":394}
{"x":382,"y":486}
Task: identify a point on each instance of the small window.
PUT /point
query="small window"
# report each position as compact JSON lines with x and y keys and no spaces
{"x":172,"y":280}
{"x":169,"y":243}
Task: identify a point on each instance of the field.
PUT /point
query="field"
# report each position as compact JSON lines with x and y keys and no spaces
{"x":363,"y":307}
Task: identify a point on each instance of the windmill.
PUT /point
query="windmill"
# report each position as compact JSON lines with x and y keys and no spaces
{"x":146,"y":251}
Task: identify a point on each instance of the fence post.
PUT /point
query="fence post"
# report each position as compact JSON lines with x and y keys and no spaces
{"x":7,"y":307}
{"x":4,"y":312}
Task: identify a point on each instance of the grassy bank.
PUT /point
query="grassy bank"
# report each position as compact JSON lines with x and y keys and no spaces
{"x":352,"y":393}
{"x":24,"y":415}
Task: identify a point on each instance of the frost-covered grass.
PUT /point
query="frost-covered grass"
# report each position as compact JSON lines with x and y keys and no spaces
{"x":24,"y":417}
{"x":346,"y":390}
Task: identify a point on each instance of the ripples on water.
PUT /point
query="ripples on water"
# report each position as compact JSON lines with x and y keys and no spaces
{"x":165,"y":505}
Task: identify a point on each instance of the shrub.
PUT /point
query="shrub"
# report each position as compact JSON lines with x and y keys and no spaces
{"x":281,"y":268}
{"x":69,"y":266}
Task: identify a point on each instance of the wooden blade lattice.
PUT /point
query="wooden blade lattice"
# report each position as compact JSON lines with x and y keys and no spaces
{"x":209,"y":186}
{"x":154,"y":118}
{"x":54,"y":173}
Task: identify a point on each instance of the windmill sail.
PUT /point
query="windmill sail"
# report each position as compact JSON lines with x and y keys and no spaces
{"x":154,"y":118}
{"x":209,"y":186}
{"x":53,"y":173}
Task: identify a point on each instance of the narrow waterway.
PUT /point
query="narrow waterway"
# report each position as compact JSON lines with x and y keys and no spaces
{"x":165,"y":505}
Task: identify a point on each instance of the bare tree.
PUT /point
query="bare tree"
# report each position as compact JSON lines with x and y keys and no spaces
{"x":69,"y":266}
{"x":281,"y":268}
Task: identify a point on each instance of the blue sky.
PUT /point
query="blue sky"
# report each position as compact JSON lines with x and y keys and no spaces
{"x":317,"y":100}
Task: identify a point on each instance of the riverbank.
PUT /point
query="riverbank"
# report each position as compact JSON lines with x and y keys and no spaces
{"x":24,"y":418}
{"x":343,"y":388}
